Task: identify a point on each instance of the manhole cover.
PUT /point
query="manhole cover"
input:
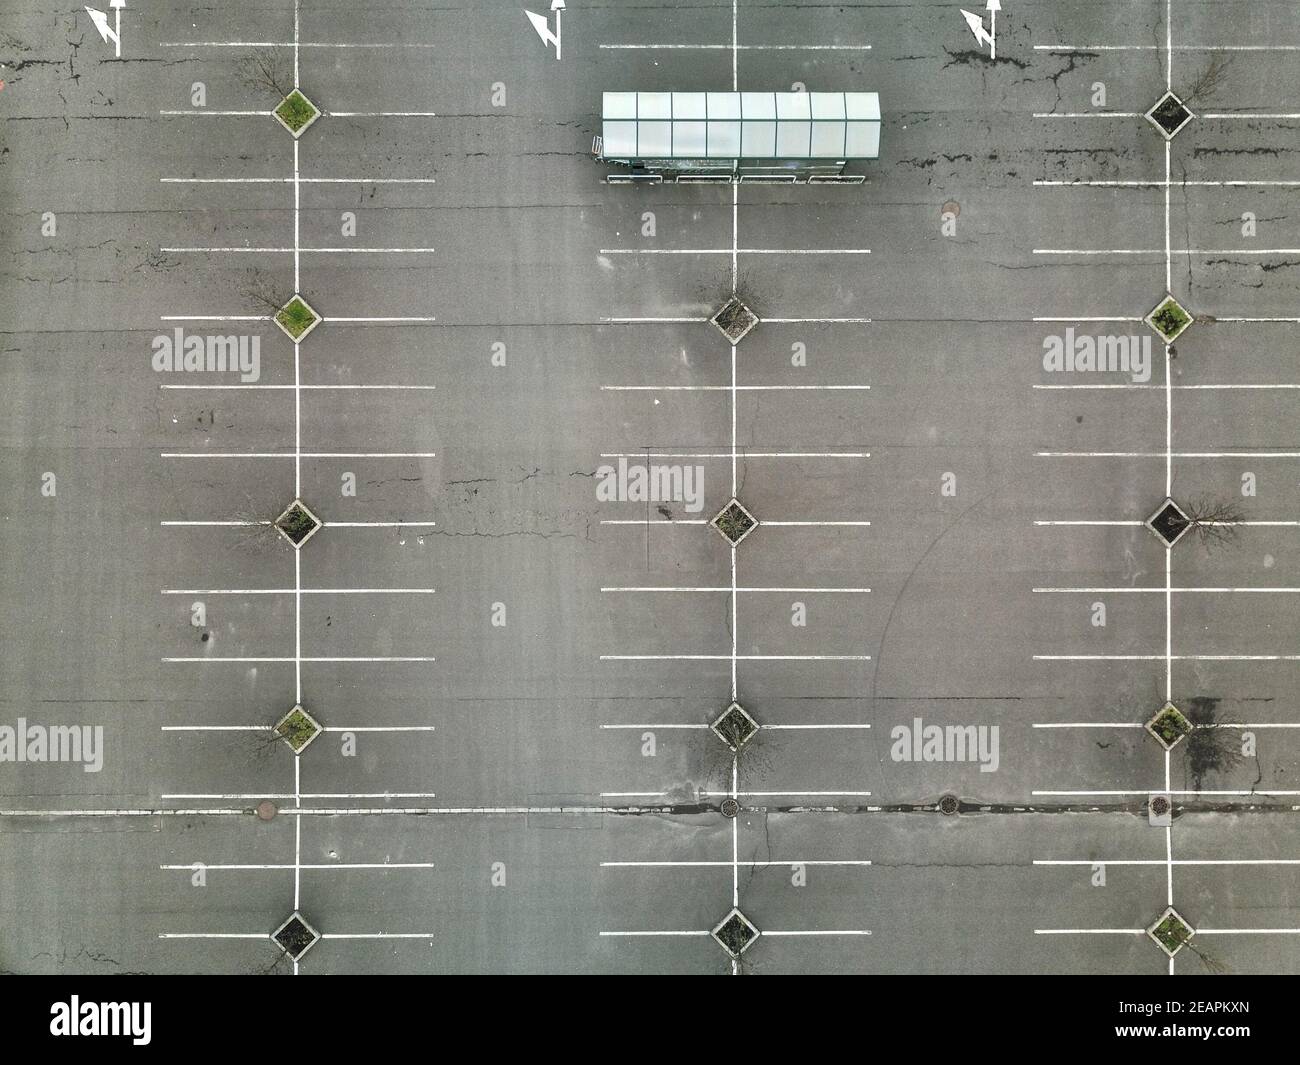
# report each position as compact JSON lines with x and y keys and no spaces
{"x":949,"y":805}
{"x":266,"y":810}
{"x":952,"y":207}
{"x":730,"y":808}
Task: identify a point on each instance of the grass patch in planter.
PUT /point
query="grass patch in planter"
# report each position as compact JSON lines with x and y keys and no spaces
{"x":735,"y":933}
{"x":1169,"y":319}
{"x":295,"y":937}
{"x":734,"y":522}
{"x":297,"y":318}
{"x":298,"y":728}
{"x":1169,"y":726}
{"x":1169,"y":523}
{"x":734,"y":727}
{"x":1171,"y":932}
{"x":297,"y":524}
{"x":1169,"y":115}
{"x":296,"y":113}
{"x":734,"y":320}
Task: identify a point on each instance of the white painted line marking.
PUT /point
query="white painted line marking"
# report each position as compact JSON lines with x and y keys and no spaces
{"x":738,"y":388}
{"x":302,"y":591}
{"x":300,"y":455}
{"x":741,"y":454}
{"x":1138,"y":724}
{"x":1174,"y":251}
{"x":318,"y":251}
{"x":189,"y":868}
{"x":742,"y":658}
{"x":1104,"y":590}
{"x":737,"y":251}
{"x":290,"y":44}
{"x":1161,"y":658}
{"x":1259,"y":793}
{"x":288,"y":180}
{"x":218,"y":658}
{"x":1157,"y":184}
{"x":726,"y":588}
{"x":725,"y":865}
{"x":319,"y":388}
{"x":333,"y":728}
{"x":1177,"y":861}
{"x":309,"y":795}
{"x":1166,"y":454}
{"x":741,"y":47}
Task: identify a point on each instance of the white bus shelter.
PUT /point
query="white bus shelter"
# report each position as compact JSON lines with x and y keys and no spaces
{"x":758,"y":134}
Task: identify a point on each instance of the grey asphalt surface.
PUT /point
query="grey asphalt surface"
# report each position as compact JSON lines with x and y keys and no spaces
{"x":532,"y":252}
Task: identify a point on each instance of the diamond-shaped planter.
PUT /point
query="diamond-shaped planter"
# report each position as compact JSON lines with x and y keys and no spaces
{"x":296,"y":319}
{"x":1170,"y":319}
{"x":734,"y":320}
{"x":297,"y":524}
{"x":295,"y":937}
{"x":734,"y":522}
{"x":296,"y":113}
{"x":734,"y":727}
{"x":1169,"y":523}
{"x":735,"y":933}
{"x":1169,"y":726}
{"x":1169,"y":115}
{"x":298,"y":728}
{"x":1160,"y":811}
{"x":1171,"y":932}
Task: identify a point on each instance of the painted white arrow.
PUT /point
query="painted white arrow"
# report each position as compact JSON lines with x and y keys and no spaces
{"x":109,"y":33}
{"x":976,"y":24}
{"x":543,"y":27}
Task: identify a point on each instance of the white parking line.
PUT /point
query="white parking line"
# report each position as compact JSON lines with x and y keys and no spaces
{"x":1166,"y":454}
{"x":1130,"y":589}
{"x":290,"y":44}
{"x":727,"y":865}
{"x":1162,"y":251}
{"x":1138,"y":724}
{"x":742,"y":454}
{"x":294,"y":251}
{"x":304,"y":658}
{"x":299,"y":455}
{"x":288,"y":180}
{"x":1159,"y":184}
{"x":308,"y":795}
{"x":735,"y":251}
{"x":723,"y":588}
{"x":298,"y":591}
{"x":1163,"y":658}
{"x":740,"y":47}
{"x":224,"y":867}
{"x":1162,"y":861}
{"x":331,"y":728}
{"x":738,"y":388}
{"x":741,"y":658}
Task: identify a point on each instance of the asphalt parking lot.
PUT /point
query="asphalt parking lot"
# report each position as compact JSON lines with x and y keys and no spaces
{"x":515,"y":676}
